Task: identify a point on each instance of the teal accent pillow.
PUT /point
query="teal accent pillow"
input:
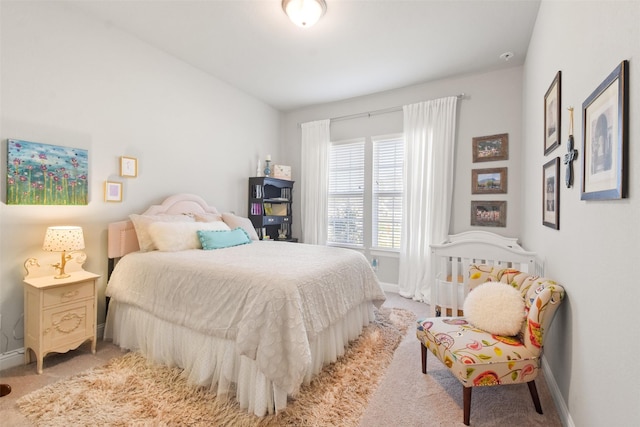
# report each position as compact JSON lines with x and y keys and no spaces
{"x":218,"y":239}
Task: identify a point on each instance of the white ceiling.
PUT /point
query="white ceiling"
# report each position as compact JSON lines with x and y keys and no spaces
{"x":359,"y":47}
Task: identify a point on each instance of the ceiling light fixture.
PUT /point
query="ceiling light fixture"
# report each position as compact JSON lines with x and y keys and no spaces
{"x":507,"y":56}
{"x":304,"y":13}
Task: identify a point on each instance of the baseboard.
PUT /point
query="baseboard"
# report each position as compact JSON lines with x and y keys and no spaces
{"x":14,"y":358}
{"x":561,"y":406}
{"x":390,"y":287}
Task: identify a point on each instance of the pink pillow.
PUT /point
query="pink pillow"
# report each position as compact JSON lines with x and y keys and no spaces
{"x":235,"y":221}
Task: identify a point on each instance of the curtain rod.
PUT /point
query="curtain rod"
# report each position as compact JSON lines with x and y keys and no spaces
{"x":376,"y":112}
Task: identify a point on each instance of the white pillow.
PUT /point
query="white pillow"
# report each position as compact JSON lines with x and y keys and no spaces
{"x":495,"y":307}
{"x":180,"y":236}
{"x":207,"y":216}
{"x":235,"y":221}
{"x":141,"y":224}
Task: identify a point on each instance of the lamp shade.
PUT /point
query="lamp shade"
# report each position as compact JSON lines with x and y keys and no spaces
{"x":63,"y":239}
{"x":304,"y":13}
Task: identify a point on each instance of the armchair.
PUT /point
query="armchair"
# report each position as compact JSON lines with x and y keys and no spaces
{"x":479,"y":358}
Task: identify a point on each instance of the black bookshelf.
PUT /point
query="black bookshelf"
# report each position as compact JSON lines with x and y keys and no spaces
{"x":269,"y":208}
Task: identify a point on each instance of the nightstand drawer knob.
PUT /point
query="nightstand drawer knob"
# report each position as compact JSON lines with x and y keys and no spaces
{"x":71,"y":294}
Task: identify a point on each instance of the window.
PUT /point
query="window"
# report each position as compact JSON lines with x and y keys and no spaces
{"x":346,"y":193}
{"x":388,"y":160}
{"x":365,"y":192}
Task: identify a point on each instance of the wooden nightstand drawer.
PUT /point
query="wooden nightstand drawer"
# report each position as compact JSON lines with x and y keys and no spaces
{"x":67,"y":324}
{"x":69,"y":293}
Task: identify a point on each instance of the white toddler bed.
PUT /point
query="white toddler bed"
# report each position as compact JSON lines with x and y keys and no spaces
{"x":253,"y":321}
{"x":452,"y":258}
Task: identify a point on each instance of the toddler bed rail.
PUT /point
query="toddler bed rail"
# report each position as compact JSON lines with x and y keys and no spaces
{"x":451,"y":260}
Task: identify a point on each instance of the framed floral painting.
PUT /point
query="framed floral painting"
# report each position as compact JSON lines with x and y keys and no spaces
{"x":44,"y":174}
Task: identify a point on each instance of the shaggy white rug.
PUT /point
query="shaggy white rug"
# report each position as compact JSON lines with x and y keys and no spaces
{"x":129,"y":390}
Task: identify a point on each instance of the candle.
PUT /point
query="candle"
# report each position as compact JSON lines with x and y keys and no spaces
{"x":268,"y":158}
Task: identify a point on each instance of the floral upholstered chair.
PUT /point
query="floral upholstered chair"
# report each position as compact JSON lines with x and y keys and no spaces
{"x":478,"y":357}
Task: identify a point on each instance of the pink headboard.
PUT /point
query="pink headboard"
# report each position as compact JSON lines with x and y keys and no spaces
{"x":122,"y":237}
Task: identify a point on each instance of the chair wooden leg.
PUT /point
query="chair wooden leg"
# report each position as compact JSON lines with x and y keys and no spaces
{"x":466,"y":402}
{"x":424,"y":358}
{"x":534,"y":395}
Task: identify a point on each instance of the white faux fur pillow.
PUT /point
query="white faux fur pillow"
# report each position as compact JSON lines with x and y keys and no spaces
{"x":180,"y":236}
{"x":495,"y":307}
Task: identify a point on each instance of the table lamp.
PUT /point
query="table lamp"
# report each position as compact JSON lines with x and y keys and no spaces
{"x":63,"y":239}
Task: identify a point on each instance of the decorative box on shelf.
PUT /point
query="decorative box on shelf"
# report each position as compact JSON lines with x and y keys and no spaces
{"x":281,"y":172}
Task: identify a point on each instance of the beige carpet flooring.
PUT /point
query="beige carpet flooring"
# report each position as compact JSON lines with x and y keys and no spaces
{"x":404,"y":398}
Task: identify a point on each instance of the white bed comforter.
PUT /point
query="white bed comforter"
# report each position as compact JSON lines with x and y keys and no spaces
{"x":270,"y":297}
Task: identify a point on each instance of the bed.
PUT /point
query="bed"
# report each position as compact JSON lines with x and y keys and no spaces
{"x":249,"y":321}
{"x":452,"y":258}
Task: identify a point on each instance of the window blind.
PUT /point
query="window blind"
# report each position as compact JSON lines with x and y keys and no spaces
{"x":346,"y":193}
{"x":388,"y":161}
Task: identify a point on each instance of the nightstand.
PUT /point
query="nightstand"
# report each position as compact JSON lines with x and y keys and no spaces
{"x":60,"y":314}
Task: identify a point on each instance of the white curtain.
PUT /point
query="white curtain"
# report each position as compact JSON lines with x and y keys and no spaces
{"x":314,"y":183}
{"x":429,"y":131}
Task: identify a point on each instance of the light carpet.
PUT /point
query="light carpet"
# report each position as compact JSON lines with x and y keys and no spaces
{"x":130,"y":390}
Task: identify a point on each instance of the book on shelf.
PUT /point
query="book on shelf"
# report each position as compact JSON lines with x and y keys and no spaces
{"x":256,"y":209}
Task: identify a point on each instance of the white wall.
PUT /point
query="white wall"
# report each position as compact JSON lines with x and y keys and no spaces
{"x":593,"y":344}
{"x":492,"y":105}
{"x":69,"y":80}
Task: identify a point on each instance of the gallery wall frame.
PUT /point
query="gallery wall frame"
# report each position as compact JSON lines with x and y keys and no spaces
{"x":552,"y":118}
{"x":128,"y":166}
{"x":489,"y":213}
{"x":551,"y":194}
{"x":490,"y":148}
{"x":489,"y":181}
{"x":112,"y":191}
{"x":605,"y":133}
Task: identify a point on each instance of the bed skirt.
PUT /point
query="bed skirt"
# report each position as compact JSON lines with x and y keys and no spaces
{"x":213,"y":362}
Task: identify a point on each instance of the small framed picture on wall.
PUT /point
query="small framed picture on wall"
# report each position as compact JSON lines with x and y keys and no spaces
{"x":112,"y":191}
{"x":552,"y":115}
{"x":489,"y":213}
{"x":551,"y":194}
{"x":490,"y":148}
{"x":128,"y":167}
{"x":489,"y":181}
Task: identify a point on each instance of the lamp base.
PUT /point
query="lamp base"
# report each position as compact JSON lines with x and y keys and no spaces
{"x":61,"y":265}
